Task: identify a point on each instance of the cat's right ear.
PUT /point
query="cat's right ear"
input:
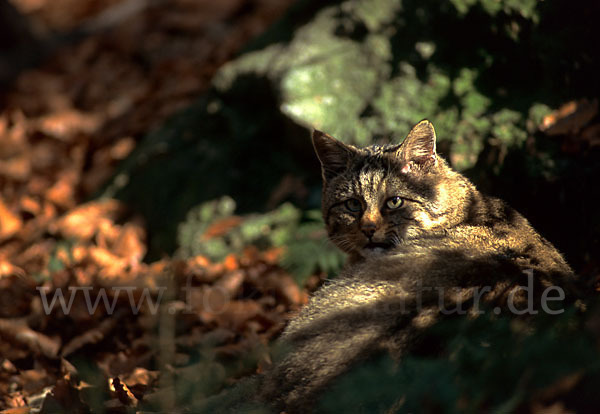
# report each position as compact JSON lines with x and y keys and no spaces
{"x":334,"y":155}
{"x":418,"y":148}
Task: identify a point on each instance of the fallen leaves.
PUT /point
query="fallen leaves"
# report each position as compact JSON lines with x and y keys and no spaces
{"x":92,"y":336}
{"x":10,"y":223}
{"x":98,"y":295}
{"x":73,"y":282}
{"x":18,"y":331}
{"x":88,"y":220}
{"x":573,"y":122}
{"x":570,"y":117}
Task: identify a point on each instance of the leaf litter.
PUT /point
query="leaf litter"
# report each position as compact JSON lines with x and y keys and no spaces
{"x":81,"y":328}
{"x":85,"y":324}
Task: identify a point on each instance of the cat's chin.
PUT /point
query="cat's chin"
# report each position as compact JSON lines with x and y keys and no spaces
{"x":376,"y":249}
{"x":376,"y":252}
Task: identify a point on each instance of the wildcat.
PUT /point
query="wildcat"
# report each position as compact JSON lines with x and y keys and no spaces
{"x":417,"y":235}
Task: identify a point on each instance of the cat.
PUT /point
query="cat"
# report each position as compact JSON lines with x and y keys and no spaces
{"x":420,"y":239}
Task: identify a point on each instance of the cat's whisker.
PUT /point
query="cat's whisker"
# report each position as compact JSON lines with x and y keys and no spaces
{"x":342,"y":242}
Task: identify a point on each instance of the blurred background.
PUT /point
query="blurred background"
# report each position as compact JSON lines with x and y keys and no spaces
{"x":150,"y":144}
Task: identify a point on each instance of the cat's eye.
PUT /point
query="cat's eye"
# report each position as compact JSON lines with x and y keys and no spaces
{"x":394,"y":203}
{"x":353,"y":205}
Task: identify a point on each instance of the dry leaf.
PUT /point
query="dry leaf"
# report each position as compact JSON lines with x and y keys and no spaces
{"x":288,"y":288}
{"x":8,"y":269}
{"x":130,"y":245}
{"x":17,"y":168}
{"x":122,"y":392}
{"x":62,"y":192}
{"x":222,"y":227}
{"x":86,"y":220}
{"x":236,"y":313}
{"x":64,"y":395}
{"x":141,"y":376}
{"x":8,"y":366}
{"x":570,"y":117}
{"x":231,"y":283}
{"x":17,"y":330}
{"x":230,"y":263}
{"x":30,"y":205}
{"x":64,"y":125}
{"x":19,"y":410}
{"x":10,"y":223}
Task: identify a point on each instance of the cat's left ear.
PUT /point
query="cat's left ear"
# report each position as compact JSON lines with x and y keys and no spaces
{"x":418,"y":148}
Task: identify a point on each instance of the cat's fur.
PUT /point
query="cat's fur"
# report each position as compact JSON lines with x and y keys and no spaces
{"x":440,"y":235}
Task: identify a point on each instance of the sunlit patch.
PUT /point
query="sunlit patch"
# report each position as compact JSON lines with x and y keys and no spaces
{"x":426,"y":222}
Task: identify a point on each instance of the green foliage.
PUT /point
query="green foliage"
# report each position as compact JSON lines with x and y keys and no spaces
{"x":261,"y":230}
{"x":301,"y":235}
{"x":525,"y":8}
{"x":308,"y":250}
{"x":508,"y":360}
{"x":366,"y":69}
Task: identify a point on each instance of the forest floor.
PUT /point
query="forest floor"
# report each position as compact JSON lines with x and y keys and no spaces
{"x":65,"y":125}
{"x":86,"y":325}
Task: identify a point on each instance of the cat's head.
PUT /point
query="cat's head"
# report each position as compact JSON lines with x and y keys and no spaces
{"x":379,"y":197}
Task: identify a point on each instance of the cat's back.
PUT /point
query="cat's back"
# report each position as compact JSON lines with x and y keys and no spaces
{"x":419,"y":237}
{"x":497,"y":247}
{"x":496,"y":231}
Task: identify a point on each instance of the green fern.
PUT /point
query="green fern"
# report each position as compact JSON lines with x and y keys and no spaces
{"x":302,"y":236}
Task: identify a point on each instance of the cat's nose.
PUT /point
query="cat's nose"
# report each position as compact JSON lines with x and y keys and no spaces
{"x":369,"y":229}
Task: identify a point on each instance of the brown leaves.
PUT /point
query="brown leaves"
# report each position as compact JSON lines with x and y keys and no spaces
{"x":10,"y":223}
{"x":67,"y":124}
{"x":73,"y":283}
{"x":572,"y":121}
{"x":122,"y":392}
{"x":63,"y":129}
{"x":89,"y":220}
{"x":221,"y":227}
{"x":235,"y":312}
{"x":17,"y":331}
{"x":570,"y":117}
{"x":91,"y":336}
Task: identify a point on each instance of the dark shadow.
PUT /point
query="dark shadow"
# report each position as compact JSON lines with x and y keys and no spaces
{"x":561,"y":205}
{"x":518,"y":61}
{"x":342,"y":336}
{"x":235,"y":143}
{"x":282,"y":32}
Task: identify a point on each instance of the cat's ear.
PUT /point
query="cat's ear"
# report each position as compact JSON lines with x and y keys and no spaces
{"x":333,"y":154}
{"x":418,"y":148}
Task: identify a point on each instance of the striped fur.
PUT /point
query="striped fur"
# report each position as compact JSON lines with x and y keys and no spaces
{"x":407,"y":221}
